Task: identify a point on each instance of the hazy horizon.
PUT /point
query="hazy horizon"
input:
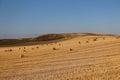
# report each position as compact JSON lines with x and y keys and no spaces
{"x":27,"y":18}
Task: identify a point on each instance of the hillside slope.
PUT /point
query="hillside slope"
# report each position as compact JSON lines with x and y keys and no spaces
{"x":46,"y":38}
{"x":91,"y":57}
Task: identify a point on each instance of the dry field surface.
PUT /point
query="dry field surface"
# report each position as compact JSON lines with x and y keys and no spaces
{"x":80,"y":58}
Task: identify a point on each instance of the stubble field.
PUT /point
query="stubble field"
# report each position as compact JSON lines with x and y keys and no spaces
{"x":80,"y":58}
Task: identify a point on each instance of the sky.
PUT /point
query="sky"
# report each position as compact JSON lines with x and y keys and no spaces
{"x":27,"y":18}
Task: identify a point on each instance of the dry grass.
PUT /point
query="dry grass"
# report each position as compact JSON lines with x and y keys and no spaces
{"x":98,"y":60}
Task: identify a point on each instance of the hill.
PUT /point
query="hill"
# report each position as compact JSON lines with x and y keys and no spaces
{"x":85,"y":56}
{"x":46,"y":38}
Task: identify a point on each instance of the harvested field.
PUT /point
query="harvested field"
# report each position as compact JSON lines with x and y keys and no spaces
{"x":82,"y":58}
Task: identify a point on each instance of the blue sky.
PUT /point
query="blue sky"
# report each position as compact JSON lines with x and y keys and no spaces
{"x":26,"y":18}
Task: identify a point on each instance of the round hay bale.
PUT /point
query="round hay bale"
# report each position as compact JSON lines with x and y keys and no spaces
{"x":54,"y":48}
{"x":22,"y":55}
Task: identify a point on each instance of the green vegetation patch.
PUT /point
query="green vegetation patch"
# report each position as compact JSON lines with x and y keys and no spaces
{"x":49,"y":37}
{"x":13,"y":41}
